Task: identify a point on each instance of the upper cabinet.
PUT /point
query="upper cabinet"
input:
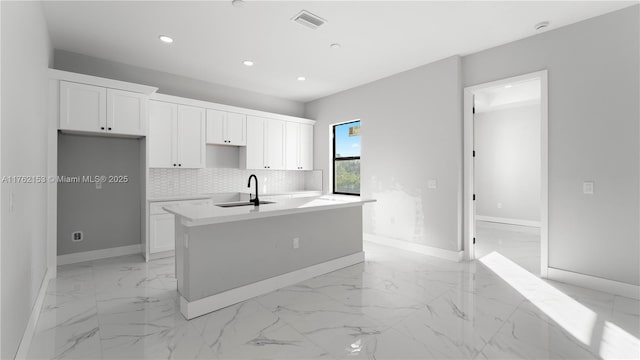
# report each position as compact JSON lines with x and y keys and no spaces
{"x":176,"y":136}
{"x":83,"y":107}
{"x":89,"y":108}
{"x":226,"y":128}
{"x":299,"y":146}
{"x":191,"y":137}
{"x":126,"y":112}
{"x":265,"y":144}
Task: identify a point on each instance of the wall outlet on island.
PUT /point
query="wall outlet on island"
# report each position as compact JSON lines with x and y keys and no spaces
{"x":296,"y":243}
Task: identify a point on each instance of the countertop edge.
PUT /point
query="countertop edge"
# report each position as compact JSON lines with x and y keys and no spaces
{"x":239,"y":217}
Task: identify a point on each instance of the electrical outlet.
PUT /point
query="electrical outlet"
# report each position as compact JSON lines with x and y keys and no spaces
{"x":296,"y":243}
{"x":587,"y":187}
{"x":77,"y":236}
{"x":499,"y":205}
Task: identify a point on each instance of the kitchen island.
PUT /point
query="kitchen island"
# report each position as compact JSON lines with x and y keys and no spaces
{"x":225,"y":255}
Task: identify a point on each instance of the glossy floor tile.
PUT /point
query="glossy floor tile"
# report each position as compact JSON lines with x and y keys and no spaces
{"x":395,"y":305}
{"x":520,"y":244}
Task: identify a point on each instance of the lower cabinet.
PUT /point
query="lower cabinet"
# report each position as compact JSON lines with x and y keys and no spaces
{"x":161,"y":232}
{"x":162,"y":227}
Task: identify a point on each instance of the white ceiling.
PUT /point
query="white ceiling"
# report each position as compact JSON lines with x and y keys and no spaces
{"x":379,"y":38}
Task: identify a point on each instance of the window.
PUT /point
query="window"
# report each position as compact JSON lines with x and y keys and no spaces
{"x":346,"y":158}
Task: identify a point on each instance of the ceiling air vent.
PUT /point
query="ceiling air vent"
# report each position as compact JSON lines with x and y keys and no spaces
{"x":308,"y":19}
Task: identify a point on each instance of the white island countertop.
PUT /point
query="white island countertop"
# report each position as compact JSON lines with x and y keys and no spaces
{"x":196,"y":215}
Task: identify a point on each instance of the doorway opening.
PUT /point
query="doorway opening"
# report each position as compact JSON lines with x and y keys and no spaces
{"x":506,"y":176}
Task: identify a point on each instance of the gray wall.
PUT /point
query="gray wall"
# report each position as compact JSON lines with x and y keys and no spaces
{"x":175,"y":85}
{"x":594,"y":131}
{"x":25,"y":57}
{"x":507,"y":163}
{"x":411,"y":132}
{"x":109,"y":217}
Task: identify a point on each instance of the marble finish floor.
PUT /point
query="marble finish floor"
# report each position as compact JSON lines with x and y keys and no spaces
{"x":520,"y":244}
{"x":396,"y":305}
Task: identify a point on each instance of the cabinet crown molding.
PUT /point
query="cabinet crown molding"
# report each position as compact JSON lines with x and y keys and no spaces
{"x":98,"y":81}
{"x":228,"y":108}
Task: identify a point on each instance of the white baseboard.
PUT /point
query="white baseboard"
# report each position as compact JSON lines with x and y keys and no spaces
{"x":192,"y":309}
{"x":162,"y":255}
{"x":418,"y":248}
{"x":593,"y":282}
{"x":25,"y":343}
{"x":508,"y":221}
{"x":99,"y":254}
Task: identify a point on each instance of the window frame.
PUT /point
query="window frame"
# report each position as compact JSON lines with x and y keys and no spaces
{"x":333,"y":160}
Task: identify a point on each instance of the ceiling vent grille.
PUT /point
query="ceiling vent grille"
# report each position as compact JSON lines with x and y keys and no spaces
{"x":309,"y":20}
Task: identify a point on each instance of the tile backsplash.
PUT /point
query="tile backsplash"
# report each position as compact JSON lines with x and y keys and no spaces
{"x":170,"y":182}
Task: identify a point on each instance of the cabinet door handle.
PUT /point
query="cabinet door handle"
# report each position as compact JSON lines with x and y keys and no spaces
{"x":175,"y":165}
{"x":102,"y":128}
{"x":179,"y":164}
{"x":109,"y":129}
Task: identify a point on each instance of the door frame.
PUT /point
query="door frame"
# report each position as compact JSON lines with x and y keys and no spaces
{"x":468,"y":126}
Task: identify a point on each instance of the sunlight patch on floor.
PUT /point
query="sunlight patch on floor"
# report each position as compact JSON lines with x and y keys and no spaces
{"x":577,"y":319}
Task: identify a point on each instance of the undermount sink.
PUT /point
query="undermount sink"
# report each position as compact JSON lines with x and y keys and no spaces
{"x":243,"y":203}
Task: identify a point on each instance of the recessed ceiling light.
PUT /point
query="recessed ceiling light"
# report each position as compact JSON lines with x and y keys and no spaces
{"x":165,"y":39}
{"x":541,"y":25}
{"x":508,"y":86}
{"x":237,"y":3}
{"x":335,"y":46}
{"x":301,"y":78}
{"x":248,"y":63}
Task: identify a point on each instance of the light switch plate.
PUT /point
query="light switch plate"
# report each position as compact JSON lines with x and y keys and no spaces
{"x":587,"y":187}
{"x":432,"y":184}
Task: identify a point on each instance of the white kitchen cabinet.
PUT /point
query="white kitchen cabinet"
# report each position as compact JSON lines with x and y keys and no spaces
{"x":299,"y":146}
{"x":161,"y":232}
{"x":162,"y":129}
{"x":126,"y":112}
{"x":162,"y":226}
{"x":83,"y":107}
{"x":191,"y":133}
{"x":97,"y":109}
{"x":274,"y":144}
{"x":176,"y":136}
{"x":226,"y":128}
{"x":265,"y":144}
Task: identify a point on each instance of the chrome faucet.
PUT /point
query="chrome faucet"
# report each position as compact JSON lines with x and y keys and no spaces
{"x":255,"y":200}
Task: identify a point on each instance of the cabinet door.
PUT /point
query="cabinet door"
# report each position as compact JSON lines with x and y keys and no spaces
{"x":126,"y":112}
{"x":274,"y":141}
{"x":161,"y":233}
{"x":162,"y":138}
{"x":306,"y":147}
{"x":292,"y":146}
{"x":215,"y":127}
{"x":191,"y":141}
{"x":254,"y":150}
{"x":236,"y":129}
{"x":83,"y":107}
